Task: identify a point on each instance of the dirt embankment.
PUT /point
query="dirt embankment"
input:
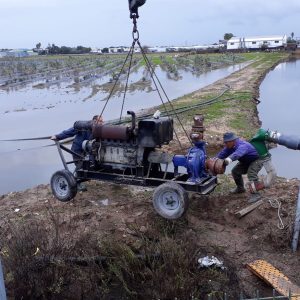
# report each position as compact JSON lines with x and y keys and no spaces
{"x":125,"y":215}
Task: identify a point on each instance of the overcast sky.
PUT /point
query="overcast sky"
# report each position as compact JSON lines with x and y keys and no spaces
{"x":99,"y":23}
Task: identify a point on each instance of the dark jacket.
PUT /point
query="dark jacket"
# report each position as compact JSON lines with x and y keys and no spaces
{"x":242,"y":151}
{"x":80,"y":136}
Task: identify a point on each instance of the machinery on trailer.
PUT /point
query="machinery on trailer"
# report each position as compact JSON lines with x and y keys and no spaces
{"x":133,"y":155}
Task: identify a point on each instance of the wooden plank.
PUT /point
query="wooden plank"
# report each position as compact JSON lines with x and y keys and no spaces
{"x":275,"y":278}
{"x":241,"y":213}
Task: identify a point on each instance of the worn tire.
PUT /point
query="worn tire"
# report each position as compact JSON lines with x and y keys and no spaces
{"x":170,"y":200}
{"x":63,"y":185}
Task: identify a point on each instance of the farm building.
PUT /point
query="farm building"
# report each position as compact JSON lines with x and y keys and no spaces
{"x":257,"y":42}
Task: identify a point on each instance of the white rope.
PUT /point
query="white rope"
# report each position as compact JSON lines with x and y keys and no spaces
{"x":275,"y":203}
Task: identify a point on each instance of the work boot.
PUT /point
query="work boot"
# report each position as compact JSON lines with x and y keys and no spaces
{"x":238,"y":190}
{"x":254,"y":197}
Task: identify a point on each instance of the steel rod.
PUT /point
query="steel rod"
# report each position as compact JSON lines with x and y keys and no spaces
{"x":2,"y":285}
{"x":297,"y":226}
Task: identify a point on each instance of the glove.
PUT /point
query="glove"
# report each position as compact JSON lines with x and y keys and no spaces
{"x":227,"y":161}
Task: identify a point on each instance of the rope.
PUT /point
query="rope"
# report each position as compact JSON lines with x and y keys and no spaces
{"x":275,"y":203}
{"x":179,"y":110}
{"x":28,"y":139}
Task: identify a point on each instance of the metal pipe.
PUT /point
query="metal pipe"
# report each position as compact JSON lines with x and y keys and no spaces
{"x":291,"y":142}
{"x":61,"y":155}
{"x":2,"y":285}
{"x":296,"y":226}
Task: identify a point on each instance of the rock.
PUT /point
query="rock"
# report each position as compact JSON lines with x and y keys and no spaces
{"x":104,"y":202}
{"x":143,"y":229}
{"x":138,"y":214}
{"x":129,"y":231}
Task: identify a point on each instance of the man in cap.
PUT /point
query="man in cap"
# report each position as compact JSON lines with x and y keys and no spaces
{"x":249,"y":162}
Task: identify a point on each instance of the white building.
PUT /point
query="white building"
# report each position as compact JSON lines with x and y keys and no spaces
{"x":257,"y":42}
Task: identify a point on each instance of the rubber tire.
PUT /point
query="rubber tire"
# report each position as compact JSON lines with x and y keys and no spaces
{"x":174,"y":189}
{"x":69,"y":190}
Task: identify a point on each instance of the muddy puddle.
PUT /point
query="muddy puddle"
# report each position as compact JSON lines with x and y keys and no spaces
{"x":33,"y":112}
{"x":279,"y":111}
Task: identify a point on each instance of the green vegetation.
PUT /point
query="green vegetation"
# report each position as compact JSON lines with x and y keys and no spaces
{"x":44,"y":261}
{"x":236,"y":109}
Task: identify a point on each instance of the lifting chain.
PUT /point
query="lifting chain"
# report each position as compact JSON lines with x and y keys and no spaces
{"x":135,"y":32}
{"x":135,"y":35}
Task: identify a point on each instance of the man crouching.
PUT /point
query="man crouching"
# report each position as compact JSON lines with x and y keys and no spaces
{"x":249,"y":162}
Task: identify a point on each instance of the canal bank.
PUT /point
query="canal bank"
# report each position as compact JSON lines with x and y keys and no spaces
{"x":239,"y":111}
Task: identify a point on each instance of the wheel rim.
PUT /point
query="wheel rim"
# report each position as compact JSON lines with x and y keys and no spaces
{"x":61,"y":186}
{"x":169,"y":201}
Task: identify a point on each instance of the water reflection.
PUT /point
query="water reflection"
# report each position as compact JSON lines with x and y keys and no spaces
{"x":43,"y":112}
{"x":279,"y":110}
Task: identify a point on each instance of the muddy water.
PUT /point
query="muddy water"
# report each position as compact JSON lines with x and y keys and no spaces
{"x":279,"y":110}
{"x":34,"y":112}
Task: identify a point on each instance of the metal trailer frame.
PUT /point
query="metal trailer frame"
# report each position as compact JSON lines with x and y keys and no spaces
{"x":136,"y":176}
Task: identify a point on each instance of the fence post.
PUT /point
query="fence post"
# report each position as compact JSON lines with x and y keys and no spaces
{"x":2,"y":286}
{"x":257,"y":295}
{"x":274,"y":294}
{"x":296,"y":226}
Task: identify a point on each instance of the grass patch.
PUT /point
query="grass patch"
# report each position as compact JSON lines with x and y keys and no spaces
{"x":43,"y":260}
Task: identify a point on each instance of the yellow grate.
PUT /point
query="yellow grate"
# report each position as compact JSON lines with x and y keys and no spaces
{"x":275,"y":278}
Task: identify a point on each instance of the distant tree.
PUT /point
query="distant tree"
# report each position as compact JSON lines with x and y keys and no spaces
{"x":292,"y":35}
{"x":38,"y":45}
{"x":81,"y":50}
{"x":53,"y":49}
{"x":65,"y":50}
{"x":228,"y":36}
{"x":105,"y":50}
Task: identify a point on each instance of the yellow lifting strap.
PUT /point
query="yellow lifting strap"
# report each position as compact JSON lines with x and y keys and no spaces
{"x":275,"y":278}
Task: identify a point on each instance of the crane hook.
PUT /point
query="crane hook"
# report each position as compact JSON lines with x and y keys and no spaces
{"x":133,"y":7}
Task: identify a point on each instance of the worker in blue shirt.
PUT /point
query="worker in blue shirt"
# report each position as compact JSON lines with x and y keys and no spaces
{"x":79,"y":137}
{"x":249,"y":162}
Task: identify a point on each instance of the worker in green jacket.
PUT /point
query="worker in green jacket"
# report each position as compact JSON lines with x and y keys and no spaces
{"x":259,"y":141}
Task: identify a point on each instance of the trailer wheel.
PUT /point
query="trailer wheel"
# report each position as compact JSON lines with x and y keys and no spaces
{"x":63,"y":185}
{"x":170,"y":200}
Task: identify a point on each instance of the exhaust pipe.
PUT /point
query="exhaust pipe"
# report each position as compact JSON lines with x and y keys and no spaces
{"x":130,"y":112}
